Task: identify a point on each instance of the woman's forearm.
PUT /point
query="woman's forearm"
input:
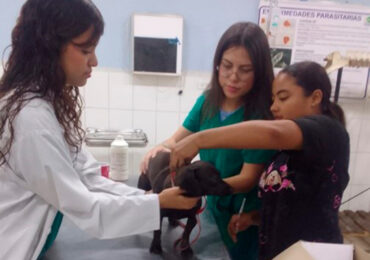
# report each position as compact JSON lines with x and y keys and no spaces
{"x":256,"y":134}
{"x":240,"y":183}
{"x":168,"y":144}
{"x":246,"y":179}
{"x":180,"y":134}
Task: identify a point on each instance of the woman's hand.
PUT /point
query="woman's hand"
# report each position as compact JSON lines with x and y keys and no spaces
{"x":241,"y":222}
{"x":172,"y":198}
{"x":151,"y":154}
{"x":183,"y":152}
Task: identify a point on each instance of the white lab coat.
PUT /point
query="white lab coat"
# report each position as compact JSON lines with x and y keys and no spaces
{"x":43,"y":176}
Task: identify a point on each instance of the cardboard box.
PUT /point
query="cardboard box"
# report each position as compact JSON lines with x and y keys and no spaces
{"x":303,"y":250}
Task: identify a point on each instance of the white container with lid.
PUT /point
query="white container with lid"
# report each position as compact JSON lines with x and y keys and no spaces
{"x":119,"y":159}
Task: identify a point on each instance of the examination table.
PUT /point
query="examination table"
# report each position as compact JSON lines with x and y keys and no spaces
{"x":72,"y":243}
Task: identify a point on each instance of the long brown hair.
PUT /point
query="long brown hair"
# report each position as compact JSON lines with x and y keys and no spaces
{"x":257,"y":101}
{"x":43,"y":28}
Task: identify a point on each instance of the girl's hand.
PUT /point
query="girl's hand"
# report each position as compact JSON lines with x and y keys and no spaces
{"x":183,"y":152}
{"x":240,"y":223}
{"x":172,"y":198}
{"x":151,"y":154}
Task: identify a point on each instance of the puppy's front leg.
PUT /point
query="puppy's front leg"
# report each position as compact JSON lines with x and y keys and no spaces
{"x":156,"y":246}
{"x":184,"y":244}
{"x":173,"y":222}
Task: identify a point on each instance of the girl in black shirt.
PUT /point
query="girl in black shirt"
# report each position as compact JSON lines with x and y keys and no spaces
{"x":301,"y":189}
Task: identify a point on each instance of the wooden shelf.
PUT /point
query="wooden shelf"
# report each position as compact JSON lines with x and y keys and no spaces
{"x":355,"y":227}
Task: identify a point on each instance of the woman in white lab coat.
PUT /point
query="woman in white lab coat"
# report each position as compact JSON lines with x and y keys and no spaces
{"x":45,"y":172}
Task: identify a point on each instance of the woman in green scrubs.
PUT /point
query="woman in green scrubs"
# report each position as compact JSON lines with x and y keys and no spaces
{"x":240,"y":89}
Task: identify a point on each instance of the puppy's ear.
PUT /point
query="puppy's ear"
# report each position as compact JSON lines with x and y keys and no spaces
{"x":210,"y":180}
{"x":144,"y":183}
{"x":188,"y":182}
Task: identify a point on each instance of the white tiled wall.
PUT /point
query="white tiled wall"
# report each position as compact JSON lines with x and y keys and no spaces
{"x":117,"y":100}
{"x":358,"y":125}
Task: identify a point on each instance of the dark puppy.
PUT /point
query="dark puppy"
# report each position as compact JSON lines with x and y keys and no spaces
{"x":197,"y":179}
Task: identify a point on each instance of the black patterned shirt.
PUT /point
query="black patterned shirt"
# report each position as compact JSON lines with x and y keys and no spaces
{"x":301,"y":190}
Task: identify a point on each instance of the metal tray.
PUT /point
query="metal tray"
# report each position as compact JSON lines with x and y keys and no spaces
{"x":104,"y":137}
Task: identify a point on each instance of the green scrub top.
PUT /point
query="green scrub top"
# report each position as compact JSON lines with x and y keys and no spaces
{"x":229,"y":163}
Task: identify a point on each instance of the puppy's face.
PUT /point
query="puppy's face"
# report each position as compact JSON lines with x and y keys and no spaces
{"x":201,"y":178}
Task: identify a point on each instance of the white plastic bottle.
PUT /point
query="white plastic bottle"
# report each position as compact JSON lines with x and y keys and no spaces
{"x":119,"y":159}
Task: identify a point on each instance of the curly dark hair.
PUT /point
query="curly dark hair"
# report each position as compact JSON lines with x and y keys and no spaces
{"x":257,"y":101}
{"x":43,"y":29}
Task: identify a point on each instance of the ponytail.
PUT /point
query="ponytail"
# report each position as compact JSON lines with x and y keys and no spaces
{"x":311,"y":76}
{"x":335,"y":111}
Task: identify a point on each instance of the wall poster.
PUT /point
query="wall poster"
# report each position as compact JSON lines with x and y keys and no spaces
{"x":311,"y":30}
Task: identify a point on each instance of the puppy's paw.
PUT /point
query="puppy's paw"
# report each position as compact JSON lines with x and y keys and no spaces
{"x":156,"y":249}
{"x":184,"y":248}
{"x":187,"y":253}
